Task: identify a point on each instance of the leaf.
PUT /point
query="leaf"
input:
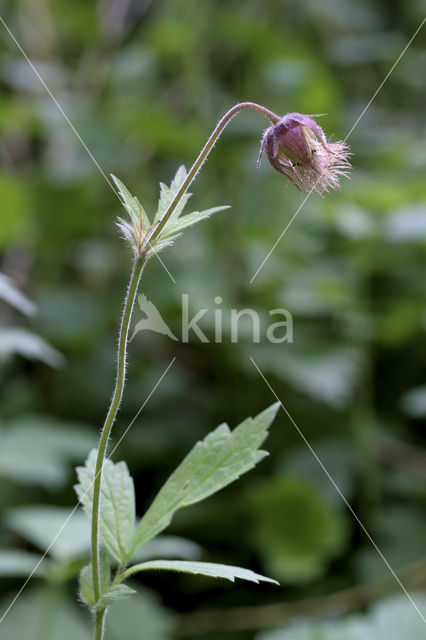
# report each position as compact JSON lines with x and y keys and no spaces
{"x":222,"y":457}
{"x":168,"y":193}
{"x":45,"y":612}
{"x":36,"y":449}
{"x":325,"y":371}
{"x":131,"y":204}
{"x":28,"y":344}
{"x":188,"y":220}
{"x":142,"y":617}
{"x":19,"y":563}
{"x":296,"y":531}
{"x":117,"y":509}
{"x":10,"y":294}
{"x":110,"y":593}
{"x":86,"y":592}
{"x":41,"y":524}
{"x":200,"y":568}
{"x":176,"y":224}
{"x":114,"y":594}
{"x":390,"y":619}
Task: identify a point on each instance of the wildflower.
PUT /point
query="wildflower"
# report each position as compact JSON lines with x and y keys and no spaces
{"x":297,"y":148}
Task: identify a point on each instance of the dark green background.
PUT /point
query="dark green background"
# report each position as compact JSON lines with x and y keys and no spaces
{"x":144,"y":84}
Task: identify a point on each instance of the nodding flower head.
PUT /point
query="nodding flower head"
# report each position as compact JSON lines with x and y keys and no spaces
{"x":297,"y":148}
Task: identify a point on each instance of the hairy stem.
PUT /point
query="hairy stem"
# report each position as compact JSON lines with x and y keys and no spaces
{"x":99,"y":624}
{"x":137,"y":269}
{"x":138,"y":266}
{"x":200,"y":161}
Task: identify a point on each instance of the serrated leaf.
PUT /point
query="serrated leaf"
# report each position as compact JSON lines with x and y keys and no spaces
{"x":200,"y":568}
{"x":168,"y":193}
{"x":110,"y":593}
{"x":177,"y":226}
{"x":117,"y":510}
{"x":131,"y":204}
{"x":114,"y":594}
{"x":86,"y":592}
{"x":162,"y":244}
{"x":212,"y":464}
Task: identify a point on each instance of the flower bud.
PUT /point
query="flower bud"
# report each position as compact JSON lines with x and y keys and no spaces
{"x":297,"y":148}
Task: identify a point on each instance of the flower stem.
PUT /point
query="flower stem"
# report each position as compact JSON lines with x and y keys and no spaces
{"x":137,"y":269}
{"x":200,"y":161}
{"x":99,"y":624}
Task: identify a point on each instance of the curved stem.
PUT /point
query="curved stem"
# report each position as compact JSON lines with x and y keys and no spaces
{"x":201,"y":159}
{"x":137,"y":269}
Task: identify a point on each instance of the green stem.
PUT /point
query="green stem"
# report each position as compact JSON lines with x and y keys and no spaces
{"x":200,"y":161}
{"x":99,"y":624}
{"x":137,"y":269}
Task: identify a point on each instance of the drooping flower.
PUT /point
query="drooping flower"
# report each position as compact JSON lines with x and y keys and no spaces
{"x":297,"y":148}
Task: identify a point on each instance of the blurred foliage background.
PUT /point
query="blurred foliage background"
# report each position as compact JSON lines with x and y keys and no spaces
{"x":144,"y":83}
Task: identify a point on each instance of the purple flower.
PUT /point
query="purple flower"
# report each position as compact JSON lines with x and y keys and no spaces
{"x":297,"y":148}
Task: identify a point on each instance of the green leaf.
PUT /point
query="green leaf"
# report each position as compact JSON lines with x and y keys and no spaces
{"x":36,"y":449}
{"x":222,"y":457}
{"x":390,"y":619}
{"x":86,"y":592}
{"x":16,"y":341}
{"x":176,"y":227}
{"x":142,"y":617}
{"x":41,"y":524}
{"x":19,"y":563}
{"x":46,"y":612}
{"x":117,"y":509}
{"x":176,"y":224}
{"x":168,"y":193}
{"x":200,"y":568}
{"x":296,"y":531}
{"x":114,"y":594}
{"x":10,"y":294}
{"x":131,"y":204}
{"x":110,"y":593}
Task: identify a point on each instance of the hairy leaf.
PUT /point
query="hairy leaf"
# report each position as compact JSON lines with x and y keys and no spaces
{"x":200,"y":568}
{"x":117,"y":506}
{"x":177,"y":226}
{"x":212,"y":464}
{"x":110,"y":593}
{"x":168,"y":193}
{"x":131,"y":204}
{"x":114,"y":594}
{"x":86,"y":593}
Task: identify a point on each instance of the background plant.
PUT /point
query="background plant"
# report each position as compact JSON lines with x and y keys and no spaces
{"x":349,"y":269}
